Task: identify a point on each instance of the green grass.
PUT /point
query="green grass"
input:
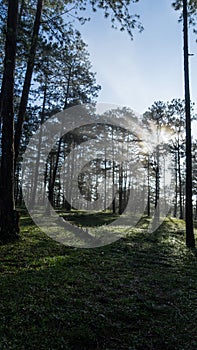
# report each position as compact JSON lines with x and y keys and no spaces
{"x":138,"y":293}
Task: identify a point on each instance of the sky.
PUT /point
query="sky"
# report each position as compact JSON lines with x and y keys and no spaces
{"x":149,"y":68}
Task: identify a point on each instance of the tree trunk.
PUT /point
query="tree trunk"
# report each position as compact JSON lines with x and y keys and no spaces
{"x":120,"y":211}
{"x":17,"y":185}
{"x":195,"y":217}
{"x":54,"y":171}
{"x":27,"y":81}
{"x":51,"y":194}
{"x":113,"y":176}
{"x":157,"y":188}
{"x":190,"y":241}
{"x":9,"y":227}
{"x":176,"y":187}
{"x":180,"y":183}
{"x":36,"y":173}
{"x":148,"y":179}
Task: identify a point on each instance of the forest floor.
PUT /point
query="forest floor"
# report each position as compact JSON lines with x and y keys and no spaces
{"x":139,"y":293}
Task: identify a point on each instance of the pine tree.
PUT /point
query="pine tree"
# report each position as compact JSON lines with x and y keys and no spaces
{"x":8,"y":215}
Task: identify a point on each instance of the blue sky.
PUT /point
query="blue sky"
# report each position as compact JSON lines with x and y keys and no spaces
{"x":149,"y":68}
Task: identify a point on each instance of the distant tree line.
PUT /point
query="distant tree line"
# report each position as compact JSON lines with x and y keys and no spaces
{"x":114,"y":180}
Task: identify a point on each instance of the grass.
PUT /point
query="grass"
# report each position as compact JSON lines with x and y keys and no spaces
{"x":138,"y":293}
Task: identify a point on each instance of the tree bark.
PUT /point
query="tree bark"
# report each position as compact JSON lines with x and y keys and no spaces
{"x":9,"y":227}
{"x":27,"y":81}
{"x":190,"y":241}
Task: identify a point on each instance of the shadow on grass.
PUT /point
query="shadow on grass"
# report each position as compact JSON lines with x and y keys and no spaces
{"x":86,"y":219}
{"x":137,"y":293}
